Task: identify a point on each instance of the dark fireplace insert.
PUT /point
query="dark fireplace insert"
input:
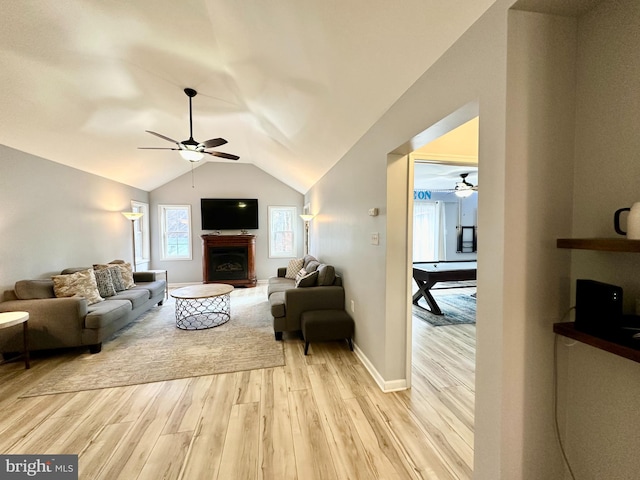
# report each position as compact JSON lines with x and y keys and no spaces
{"x":228,"y":263}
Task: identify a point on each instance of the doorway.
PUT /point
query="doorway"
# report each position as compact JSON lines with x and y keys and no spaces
{"x":442,"y":359}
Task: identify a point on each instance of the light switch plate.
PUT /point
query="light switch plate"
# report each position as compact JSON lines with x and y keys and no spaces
{"x":375,"y":238}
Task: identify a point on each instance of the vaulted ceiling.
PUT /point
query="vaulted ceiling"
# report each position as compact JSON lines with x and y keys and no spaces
{"x":290,"y":84}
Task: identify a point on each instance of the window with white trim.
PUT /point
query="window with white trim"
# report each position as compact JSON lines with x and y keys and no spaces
{"x":175,"y":231}
{"x":141,"y":232}
{"x":282,"y":235}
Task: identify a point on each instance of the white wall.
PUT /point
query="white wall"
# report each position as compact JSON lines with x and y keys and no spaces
{"x":53,"y":216}
{"x":518,"y":68}
{"x":220,"y":180}
{"x":602,"y":390}
{"x":473,"y":71}
{"x":539,"y":150}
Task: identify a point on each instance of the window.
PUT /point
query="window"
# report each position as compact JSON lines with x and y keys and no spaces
{"x":141,"y":232}
{"x":175,"y":228}
{"x":427,"y":220}
{"x":282,"y":237}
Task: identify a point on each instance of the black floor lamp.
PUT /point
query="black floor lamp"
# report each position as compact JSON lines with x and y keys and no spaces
{"x":133,"y":216}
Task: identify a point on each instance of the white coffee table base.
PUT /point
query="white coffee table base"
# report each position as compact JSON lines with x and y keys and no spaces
{"x":202,"y":306}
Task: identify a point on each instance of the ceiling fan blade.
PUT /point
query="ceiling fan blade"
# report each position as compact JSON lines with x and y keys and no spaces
{"x":163,"y":137}
{"x":157,"y":148}
{"x":228,"y":156}
{"x":214,"y":142}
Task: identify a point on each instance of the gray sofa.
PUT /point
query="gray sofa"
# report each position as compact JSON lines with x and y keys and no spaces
{"x":288,"y":302}
{"x":71,"y":321}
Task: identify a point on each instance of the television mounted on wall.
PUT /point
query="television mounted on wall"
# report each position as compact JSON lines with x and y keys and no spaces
{"x":229,"y":213}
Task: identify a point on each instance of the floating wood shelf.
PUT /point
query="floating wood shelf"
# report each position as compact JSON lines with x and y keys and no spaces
{"x":601,"y":244}
{"x":567,"y":329}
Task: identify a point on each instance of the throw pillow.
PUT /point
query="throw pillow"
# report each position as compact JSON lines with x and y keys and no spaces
{"x":301,"y":273}
{"x":312,"y":266}
{"x":116,"y":278}
{"x":294,"y":267}
{"x":127,"y":273}
{"x":308,"y":280}
{"x":79,"y":284}
{"x":326,"y":274}
{"x":105,"y":283}
{"x":116,"y":275}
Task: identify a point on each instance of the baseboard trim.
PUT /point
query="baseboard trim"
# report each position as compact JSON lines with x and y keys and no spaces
{"x":385,"y":386}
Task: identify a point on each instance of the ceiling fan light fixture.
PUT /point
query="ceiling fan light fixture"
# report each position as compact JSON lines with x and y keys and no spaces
{"x":190,"y":149}
{"x":464,"y":193}
{"x":463,"y":188}
{"x":191,"y":155}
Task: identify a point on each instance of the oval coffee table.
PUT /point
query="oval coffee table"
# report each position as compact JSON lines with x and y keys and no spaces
{"x":202,"y":306}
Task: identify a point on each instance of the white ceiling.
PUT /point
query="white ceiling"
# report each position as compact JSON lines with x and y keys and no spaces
{"x":442,"y":177}
{"x":291,"y":84}
{"x":448,"y":156}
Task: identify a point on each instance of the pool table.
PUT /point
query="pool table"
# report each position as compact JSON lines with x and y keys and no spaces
{"x":427,"y":274}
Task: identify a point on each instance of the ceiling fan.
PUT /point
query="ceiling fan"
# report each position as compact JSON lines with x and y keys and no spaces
{"x":464,"y":188}
{"x":191,"y":149}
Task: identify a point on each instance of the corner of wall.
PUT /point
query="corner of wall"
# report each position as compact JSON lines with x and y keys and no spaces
{"x":385,"y":385}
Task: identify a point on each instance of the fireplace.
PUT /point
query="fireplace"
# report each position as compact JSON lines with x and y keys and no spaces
{"x":227,"y":263}
{"x":229,"y":259}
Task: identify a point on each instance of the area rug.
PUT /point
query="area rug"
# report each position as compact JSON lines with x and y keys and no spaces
{"x":152,"y":349}
{"x":457,"y":309}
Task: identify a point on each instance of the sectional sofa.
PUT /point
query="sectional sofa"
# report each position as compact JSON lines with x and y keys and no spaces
{"x":308,"y":286}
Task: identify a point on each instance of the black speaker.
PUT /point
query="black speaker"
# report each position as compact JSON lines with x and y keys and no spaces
{"x":598,"y":307}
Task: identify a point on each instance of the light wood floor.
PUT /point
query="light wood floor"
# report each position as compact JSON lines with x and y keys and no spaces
{"x":319,"y":417}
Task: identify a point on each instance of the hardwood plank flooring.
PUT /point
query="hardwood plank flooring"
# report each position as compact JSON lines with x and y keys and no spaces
{"x":320,"y":417}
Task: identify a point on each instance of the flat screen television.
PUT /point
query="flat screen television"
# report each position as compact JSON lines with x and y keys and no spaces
{"x":229,"y":213}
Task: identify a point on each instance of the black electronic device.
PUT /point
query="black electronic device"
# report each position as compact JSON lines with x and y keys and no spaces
{"x":598,"y":307}
{"x":229,"y":213}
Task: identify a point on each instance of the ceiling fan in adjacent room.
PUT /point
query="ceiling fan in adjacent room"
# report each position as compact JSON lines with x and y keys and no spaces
{"x":464,"y":188}
{"x":191,"y":149}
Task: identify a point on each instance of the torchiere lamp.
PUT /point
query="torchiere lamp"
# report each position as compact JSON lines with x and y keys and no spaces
{"x":133,"y":216}
{"x":307,"y":218}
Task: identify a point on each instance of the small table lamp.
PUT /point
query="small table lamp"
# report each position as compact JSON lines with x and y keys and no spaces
{"x":133,"y":216}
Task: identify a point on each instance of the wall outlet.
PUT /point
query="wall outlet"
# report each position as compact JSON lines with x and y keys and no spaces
{"x":375,"y":238}
{"x":353,"y":306}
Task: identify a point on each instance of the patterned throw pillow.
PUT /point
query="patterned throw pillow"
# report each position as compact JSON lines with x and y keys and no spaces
{"x":294,"y":267}
{"x":307,"y":280}
{"x":116,"y":278}
{"x":116,"y":275}
{"x":79,"y":284}
{"x":105,"y":283}
{"x":127,"y":272}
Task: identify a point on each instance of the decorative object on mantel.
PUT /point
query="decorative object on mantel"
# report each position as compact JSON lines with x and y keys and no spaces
{"x":633,"y":222}
{"x":133,"y":216}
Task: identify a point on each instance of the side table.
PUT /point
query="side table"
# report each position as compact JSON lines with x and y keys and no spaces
{"x":166,"y":279}
{"x":9,"y":319}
